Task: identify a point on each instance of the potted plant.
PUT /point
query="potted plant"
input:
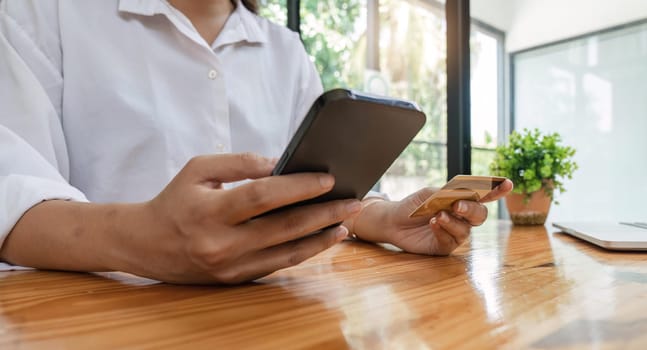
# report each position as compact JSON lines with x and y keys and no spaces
{"x":536,"y":163}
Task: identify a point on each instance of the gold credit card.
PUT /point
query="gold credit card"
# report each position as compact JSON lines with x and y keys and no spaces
{"x":467,"y":187}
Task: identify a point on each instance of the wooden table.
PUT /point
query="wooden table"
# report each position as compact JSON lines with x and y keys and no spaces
{"x":510,"y":287}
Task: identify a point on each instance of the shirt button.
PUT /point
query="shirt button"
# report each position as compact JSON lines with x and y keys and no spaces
{"x":213,"y":74}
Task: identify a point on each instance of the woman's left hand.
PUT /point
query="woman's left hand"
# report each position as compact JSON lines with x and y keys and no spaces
{"x":389,"y":222}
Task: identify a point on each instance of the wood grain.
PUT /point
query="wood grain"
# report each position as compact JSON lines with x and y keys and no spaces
{"x":509,"y":287}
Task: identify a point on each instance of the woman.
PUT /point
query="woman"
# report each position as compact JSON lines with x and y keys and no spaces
{"x":105,"y":104}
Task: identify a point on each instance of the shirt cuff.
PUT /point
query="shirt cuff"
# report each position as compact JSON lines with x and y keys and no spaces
{"x":19,"y":193}
{"x":4,"y":267}
{"x":375,"y":194}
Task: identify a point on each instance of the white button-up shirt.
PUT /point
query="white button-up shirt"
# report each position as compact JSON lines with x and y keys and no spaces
{"x":107,"y":100}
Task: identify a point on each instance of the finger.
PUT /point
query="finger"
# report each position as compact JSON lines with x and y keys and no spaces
{"x":292,"y":224}
{"x":266,"y":261}
{"x":262,"y":195}
{"x":457,"y":228}
{"x":414,"y":200}
{"x":474,"y":213}
{"x":421,"y":195}
{"x":499,"y":192}
{"x":442,"y":242}
{"x":229,"y":167}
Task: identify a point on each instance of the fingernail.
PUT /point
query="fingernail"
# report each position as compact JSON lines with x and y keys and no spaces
{"x":327,"y":181}
{"x":353,"y":207}
{"x":443,"y":217}
{"x":433,"y":221}
{"x":462,"y":207}
{"x":341,"y":232}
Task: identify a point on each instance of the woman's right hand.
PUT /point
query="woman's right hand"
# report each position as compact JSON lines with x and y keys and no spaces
{"x":195,"y":231}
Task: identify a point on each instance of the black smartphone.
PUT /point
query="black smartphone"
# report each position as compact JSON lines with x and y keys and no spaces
{"x":353,"y":136}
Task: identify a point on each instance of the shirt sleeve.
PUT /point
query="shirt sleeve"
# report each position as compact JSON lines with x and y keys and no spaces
{"x":34,"y":163}
{"x":309,"y":87}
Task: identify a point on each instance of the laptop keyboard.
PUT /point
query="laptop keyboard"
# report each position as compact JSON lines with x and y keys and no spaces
{"x":636,"y":224}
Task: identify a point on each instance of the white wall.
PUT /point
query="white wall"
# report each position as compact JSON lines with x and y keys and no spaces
{"x":497,"y":13}
{"x":529,"y":23}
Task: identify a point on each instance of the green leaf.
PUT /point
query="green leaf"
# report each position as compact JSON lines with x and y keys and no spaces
{"x":532,"y":160}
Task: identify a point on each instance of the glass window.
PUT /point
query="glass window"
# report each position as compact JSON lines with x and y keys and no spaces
{"x":485,"y":99}
{"x":398,"y":48}
{"x":592,"y":91}
{"x":334,"y":34}
{"x":274,"y":10}
{"x":485,"y":52}
{"x":402,"y":56}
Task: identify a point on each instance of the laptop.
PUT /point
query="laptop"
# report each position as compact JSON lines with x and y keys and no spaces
{"x":609,"y":235}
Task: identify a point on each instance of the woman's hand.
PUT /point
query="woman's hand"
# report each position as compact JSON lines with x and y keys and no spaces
{"x":202,"y":233}
{"x":194,"y":231}
{"x":389,"y":222}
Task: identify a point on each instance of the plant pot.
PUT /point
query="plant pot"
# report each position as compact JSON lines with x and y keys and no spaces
{"x":531,"y":212}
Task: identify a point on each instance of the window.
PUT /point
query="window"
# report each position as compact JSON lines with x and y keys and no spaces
{"x":486,"y":51}
{"x":591,"y":90}
{"x":486,"y":96}
{"x":398,"y":48}
{"x":274,"y":10}
{"x":394,"y":48}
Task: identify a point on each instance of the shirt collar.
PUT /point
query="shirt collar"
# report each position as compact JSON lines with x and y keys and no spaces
{"x":242,"y":25}
{"x":142,"y":7}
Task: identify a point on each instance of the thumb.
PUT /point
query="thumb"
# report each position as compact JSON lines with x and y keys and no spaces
{"x":229,"y":167}
{"x":421,"y":195}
